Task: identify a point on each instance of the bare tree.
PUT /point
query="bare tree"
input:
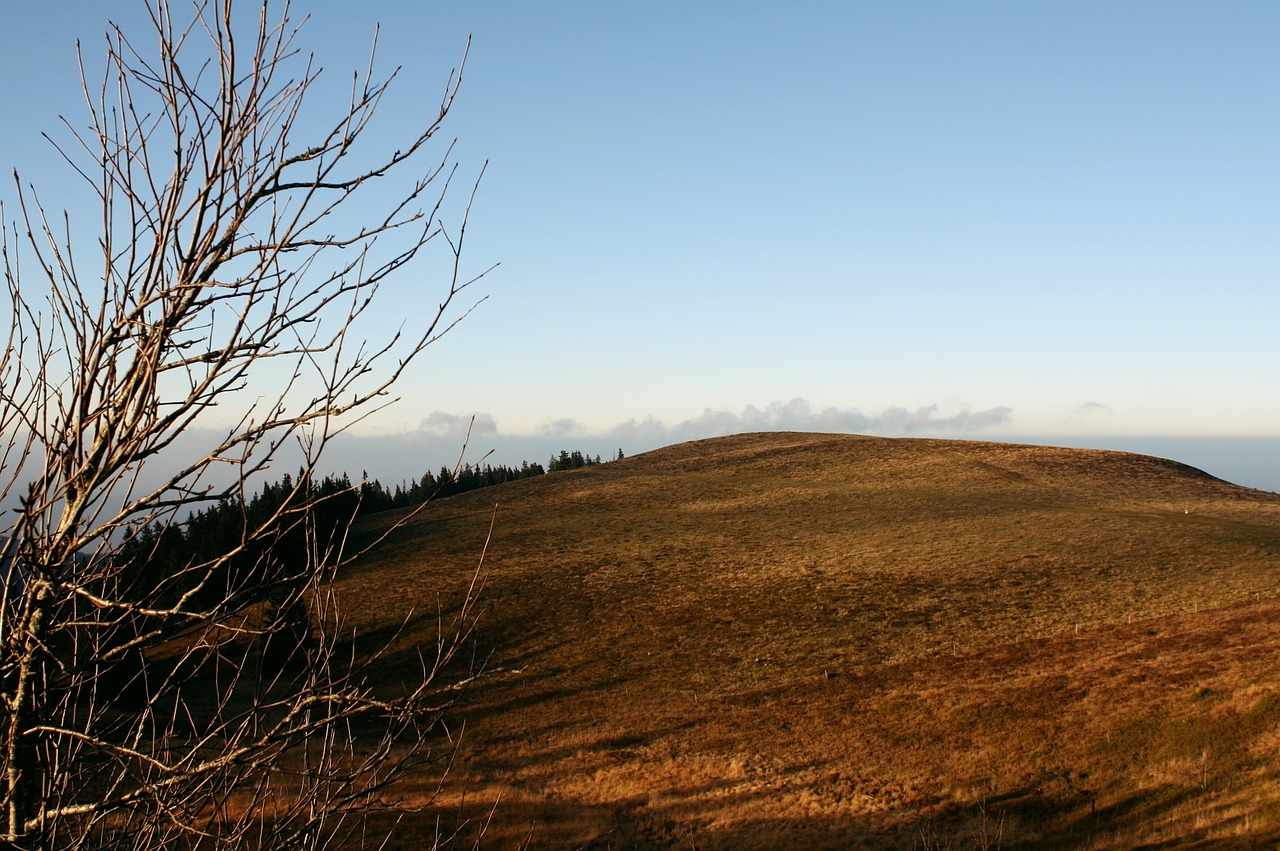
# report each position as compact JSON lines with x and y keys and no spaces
{"x":235,"y":258}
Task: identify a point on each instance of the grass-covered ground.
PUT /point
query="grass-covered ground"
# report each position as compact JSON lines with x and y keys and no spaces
{"x":797,"y":640}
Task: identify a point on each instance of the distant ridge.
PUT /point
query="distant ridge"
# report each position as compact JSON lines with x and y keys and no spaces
{"x":757,"y":443}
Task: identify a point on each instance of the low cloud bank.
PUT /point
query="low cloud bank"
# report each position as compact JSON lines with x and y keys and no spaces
{"x":392,"y":458}
{"x":796,"y":415}
{"x":441,"y":440}
{"x":444,"y":439}
{"x":440,"y":437}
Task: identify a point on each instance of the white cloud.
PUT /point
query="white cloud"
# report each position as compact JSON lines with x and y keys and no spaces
{"x":565,"y":427}
{"x":1089,"y":416}
{"x":795,"y":415}
{"x":441,"y":424}
{"x":799,"y":415}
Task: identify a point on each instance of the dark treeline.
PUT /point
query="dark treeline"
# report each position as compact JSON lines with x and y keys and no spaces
{"x":571,"y":461}
{"x":242,"y":545}
{"x":255,"y":540}
{"x":574,"y":460}
{"x":374,"y":496}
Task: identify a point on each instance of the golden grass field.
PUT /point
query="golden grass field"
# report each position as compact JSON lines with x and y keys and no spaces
{"x":828,"y":641}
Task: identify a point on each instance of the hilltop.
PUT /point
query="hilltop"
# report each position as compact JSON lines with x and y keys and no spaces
{"x":775,"y":640}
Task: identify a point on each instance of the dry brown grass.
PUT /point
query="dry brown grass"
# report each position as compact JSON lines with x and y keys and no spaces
{"x":797,"y":640}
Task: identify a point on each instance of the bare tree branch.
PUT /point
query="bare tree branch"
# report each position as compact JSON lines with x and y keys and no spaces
{"x":145,"y":702}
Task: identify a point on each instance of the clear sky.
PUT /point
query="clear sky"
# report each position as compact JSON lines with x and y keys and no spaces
{"x":962,"y":219}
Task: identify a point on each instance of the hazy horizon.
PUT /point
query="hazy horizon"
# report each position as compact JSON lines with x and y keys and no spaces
{"x":395,"y":457}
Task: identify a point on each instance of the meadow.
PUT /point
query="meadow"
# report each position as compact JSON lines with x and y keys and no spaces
{"x":832,"y":641}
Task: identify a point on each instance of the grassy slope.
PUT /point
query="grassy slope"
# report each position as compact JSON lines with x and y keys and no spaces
{"x":793,"y":639}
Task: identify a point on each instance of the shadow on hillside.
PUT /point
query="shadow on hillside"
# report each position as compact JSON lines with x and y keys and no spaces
{"x":1021,"y":820}
{"x":537,"y":756}
{"x":495,"y":684}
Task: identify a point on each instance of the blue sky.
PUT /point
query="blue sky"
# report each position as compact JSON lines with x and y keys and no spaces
{"x":962,"y":219}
